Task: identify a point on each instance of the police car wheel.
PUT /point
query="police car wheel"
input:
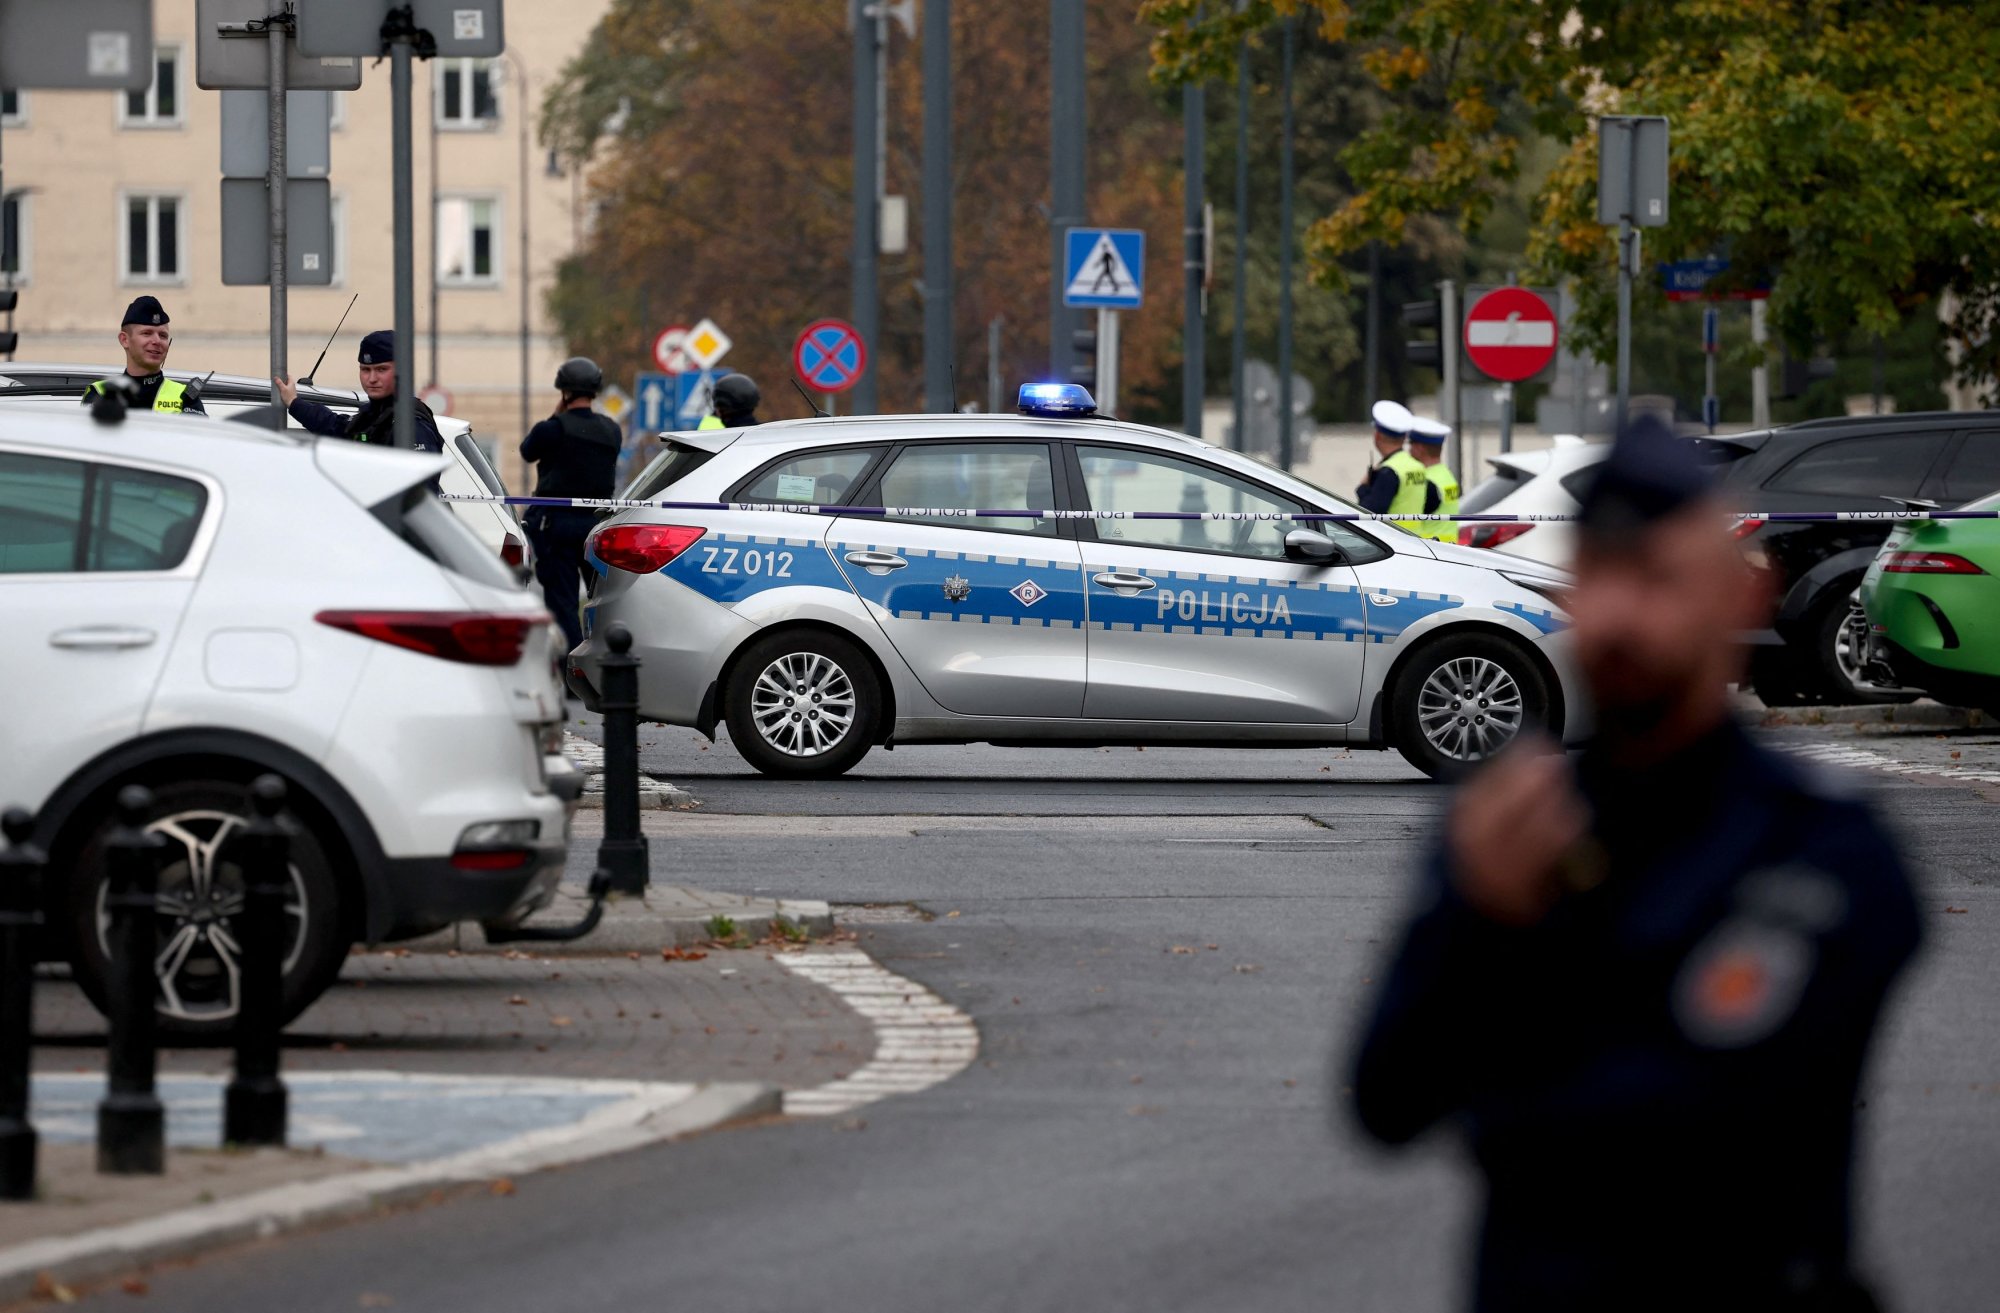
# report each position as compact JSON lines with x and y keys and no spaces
{"x":803,"y":704}
{"x":1460,"y":699}
{"x":200,"y":895}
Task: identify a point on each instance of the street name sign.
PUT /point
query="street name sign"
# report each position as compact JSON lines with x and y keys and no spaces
{"x":1688,"y":280}
{"x":1104,"y":268}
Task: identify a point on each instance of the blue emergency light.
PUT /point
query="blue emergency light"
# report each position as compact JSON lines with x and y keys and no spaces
{"x":1056,"y":400}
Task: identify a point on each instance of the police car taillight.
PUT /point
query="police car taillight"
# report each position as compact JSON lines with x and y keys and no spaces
{"x":642,"y":548}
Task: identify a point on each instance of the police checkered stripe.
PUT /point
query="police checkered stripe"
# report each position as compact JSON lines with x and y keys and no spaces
{"x":1226,"y":630}
{"x":976,"y":618}
{"x":765,"y":540}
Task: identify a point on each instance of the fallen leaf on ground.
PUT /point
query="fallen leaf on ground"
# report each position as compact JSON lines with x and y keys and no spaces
{"x":1246,"y":968}
{"x":560,"y":1021}
{"x":677,"y":954}
{"x":1954,"y":756}
{"x":516,"y":1001}
{"x":47,"y":1287}
{"x":370,"y":1299}
{"x":950,"y":914}
{"x":503,"y":1187}
{"x":1955,"y":911}
{"x":1181,"y":948}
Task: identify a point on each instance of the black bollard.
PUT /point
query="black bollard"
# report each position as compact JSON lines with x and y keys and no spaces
{"x":622,"y":860}
{"x":20,"y":919}
{"x":131,"y":1124}
{"x":253,"y":1106}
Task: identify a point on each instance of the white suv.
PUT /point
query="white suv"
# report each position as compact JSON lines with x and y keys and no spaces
{"x":190,"y":604}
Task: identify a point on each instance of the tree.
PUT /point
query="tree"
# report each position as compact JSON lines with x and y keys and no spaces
{"x":727,"y":190}
{"x":1848,"y":147}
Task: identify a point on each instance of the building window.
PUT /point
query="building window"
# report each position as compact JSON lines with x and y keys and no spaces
{"x":466,"y":93}
{"x":158,"y":106}
{"x":153,"y":239}
{"x":13,"y":108}
{"x":13,"y":239}
{"x":468,"y":241}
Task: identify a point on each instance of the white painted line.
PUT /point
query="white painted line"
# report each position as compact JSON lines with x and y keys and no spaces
{"x":920,"y":1040}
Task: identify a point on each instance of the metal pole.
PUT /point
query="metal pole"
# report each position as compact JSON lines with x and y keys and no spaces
{"x":1066,"y":138}
{"x":1760,"y":373}
{"x":20,"y":929}
{"x":1371,"y":331}
{"x":1107,"y":362}
{"x":1448,"y":330}
{"x":276,"y":30}
{"x":255,"y":1100}
{"x":431,"y":265}
{"x":1881,"y":363}
{"x":993,"y":398}
{"x":1506,"y":417}
{"x":131,"y":1123}
{"x":1624,"y":323}
{"x":521,"y":113}
{"x":867,"y":214}
{"x":1238,"y":440}
{"x":938,"y":264}
{"x":622,"y":858}
{"x":1285,"y":452}
{"x":1194,"y":256}
{"x":1711,"y":346}
{"x":405,"y":237}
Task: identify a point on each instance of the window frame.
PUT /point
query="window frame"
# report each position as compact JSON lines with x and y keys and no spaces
{"x":880,"y":447}
{"x":191,"y":563}
{"x":1937,"y":486}
{"x":870,"y":486}
{"x":467,"y":122}
{"x":1087,"y":528}
{"x":1909,"y":437}
{"x":20,"y":117}
{"x":152,"y":119}
{"x":499,"y":245}
{"x":24,"y":220}
{"x":126,"y":277}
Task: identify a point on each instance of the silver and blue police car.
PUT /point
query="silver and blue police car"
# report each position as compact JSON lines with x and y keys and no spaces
{"x":815,"y":635}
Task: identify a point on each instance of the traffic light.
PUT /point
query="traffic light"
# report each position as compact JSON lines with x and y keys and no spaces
{"x":9,"y":339}
{"x":1795,"y":375}
{"x":1084,"y":371}
{"x":1423,"y":314}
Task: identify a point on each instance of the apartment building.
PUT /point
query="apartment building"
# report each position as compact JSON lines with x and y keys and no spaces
{"x":111,"y":195}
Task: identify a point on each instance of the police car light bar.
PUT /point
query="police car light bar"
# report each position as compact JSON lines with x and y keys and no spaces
{"x":1056,"y":400}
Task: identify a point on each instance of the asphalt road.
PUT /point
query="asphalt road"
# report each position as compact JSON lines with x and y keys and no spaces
{"x":1163,"y":950}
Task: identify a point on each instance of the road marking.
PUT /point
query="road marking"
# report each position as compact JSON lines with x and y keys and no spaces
{"x":1830,"y":754}
{"x":920,"y":1040}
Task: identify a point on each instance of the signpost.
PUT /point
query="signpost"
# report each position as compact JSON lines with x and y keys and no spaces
{"x":1105,"y":269}
{"x":1631,"y":190}
{"x":79,"y":45}
{"x":653,"y":402}
{"x":830,"y":355}
{"x":667,"y":352}
{"x":363,"y":29}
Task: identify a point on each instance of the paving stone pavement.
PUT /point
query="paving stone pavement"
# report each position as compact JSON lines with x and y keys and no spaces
{"x":735,"y":1015}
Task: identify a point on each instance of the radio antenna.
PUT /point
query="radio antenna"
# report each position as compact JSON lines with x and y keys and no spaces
{"x":329,"y":340}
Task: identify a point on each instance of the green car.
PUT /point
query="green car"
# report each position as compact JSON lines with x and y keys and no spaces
{"x":1933,"y":601}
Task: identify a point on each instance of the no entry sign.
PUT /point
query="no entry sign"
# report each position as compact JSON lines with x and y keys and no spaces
{"x":830,"y":355}
{"x":1510,"y":334}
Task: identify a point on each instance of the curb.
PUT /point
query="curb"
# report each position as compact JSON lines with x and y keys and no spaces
{"x":1922,"y":713}
{"x":635,"y":1123}
{"x":588,"y":757}
{"x":679,"y":919}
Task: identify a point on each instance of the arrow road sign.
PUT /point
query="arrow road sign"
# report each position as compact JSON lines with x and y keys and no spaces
{"x":1104,"y":268}
{"x":654,"y":394}
{"x":706,"y":343}
{"x":830,"y":355}
{"x":1510,"y":333}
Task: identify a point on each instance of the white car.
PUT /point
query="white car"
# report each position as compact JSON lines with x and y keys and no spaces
{"x":230,"y":396}
{"x":1545,"y":482}
{"x":190,"y":604}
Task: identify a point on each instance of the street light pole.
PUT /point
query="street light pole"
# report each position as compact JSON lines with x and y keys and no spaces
{"x":867,"y":208}
{"x":938,"y":265}
{"x":1066,"y":201}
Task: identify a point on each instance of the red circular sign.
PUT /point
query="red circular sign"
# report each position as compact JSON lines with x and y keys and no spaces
{"x":667,"y":352}
{"x":830,"y":355}
{"x":1510,"y":333}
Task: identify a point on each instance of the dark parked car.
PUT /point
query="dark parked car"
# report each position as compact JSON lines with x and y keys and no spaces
{"x":1870,"y":462}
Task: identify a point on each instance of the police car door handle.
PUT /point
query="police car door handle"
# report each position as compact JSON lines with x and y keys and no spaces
{"x":102,"y":637}
{"x":876,"y":562}
{"x":1120,"y":582}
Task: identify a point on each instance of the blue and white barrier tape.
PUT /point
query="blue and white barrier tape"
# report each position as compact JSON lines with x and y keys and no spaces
{"x":1344,"y":517}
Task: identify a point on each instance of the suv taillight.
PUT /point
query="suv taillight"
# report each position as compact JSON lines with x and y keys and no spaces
{"x":1928,"y":563}
{"x":642,"y":548}
{"x":513,"y":551}
{"x":477,"y":638}
{"x":1746,"y":526}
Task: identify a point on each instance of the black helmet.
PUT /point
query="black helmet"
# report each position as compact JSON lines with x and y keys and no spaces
{"x":580,"y":374}
{"x":735,"y":397}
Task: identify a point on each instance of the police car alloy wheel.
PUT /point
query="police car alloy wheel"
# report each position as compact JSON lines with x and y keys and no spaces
{"x":803,"y":703}
{"x":201,"y":892}
{"x":1460,"y":699}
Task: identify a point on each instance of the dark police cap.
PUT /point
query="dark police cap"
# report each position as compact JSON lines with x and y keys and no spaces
{"x":378,"y":348}
{"x":1648,"y":475}
{"x":144,"y":310}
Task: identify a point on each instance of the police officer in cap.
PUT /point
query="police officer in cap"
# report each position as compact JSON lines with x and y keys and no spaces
{"x":1397,"y":485}
{"x":1427,"y":448}
{"x":375,"y":422}
{"x":1644,"y":982}
{"x":145,"y":335}
{"x":735,"y":398}
{"x":575,"y":452}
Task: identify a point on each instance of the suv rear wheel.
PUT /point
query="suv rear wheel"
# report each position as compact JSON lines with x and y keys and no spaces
{"x":1839,"y":644}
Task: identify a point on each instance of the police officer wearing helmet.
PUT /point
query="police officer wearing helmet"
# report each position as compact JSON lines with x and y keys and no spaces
{"x":575,"y":452}
{"x":1642,"y":984}
{"x":1396,"y":486}
{"x":1427,"y":446}
{"x":735,"y":398}
{"x":144,"y":335}
{"x":375,"y":422}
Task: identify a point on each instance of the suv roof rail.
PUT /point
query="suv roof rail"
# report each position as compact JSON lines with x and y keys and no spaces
{"x":1908,"y":417}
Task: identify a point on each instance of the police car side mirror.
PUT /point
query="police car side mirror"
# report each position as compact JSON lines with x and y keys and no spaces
{"x":1310,"y":548}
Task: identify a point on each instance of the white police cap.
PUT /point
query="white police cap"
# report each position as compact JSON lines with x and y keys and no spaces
{"x":1428,"y":430}
{"x":1393,"y":417}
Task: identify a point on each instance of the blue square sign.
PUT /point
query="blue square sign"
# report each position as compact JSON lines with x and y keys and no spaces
{"x":1104,"y":268}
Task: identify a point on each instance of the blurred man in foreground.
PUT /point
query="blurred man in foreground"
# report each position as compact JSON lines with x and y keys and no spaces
{"x":1645,"y":982}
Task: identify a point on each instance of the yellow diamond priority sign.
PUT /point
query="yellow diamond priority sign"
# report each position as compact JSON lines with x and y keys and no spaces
{"x":706,"y":343}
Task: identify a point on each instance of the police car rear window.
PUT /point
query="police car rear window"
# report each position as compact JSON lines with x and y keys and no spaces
{"x":814,"y":478}
{"x":667,"y":469}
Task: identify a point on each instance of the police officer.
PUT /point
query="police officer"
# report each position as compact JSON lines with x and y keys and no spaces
{"x":1397,"y":485}
{"x":376,"y":420}
{"x":575,"y":452}
{"x":1427,"y":446}
{"x":146,"y":338}
{"x":735,"y":398}
{"x":1644,"y":983}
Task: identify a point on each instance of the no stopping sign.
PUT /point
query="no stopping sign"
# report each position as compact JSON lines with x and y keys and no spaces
{"x":830,"y":355}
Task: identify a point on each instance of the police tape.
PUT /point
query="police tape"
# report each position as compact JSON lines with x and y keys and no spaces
{"x":1339,"y":517}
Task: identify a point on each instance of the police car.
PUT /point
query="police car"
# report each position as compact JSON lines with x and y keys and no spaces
{"x":815,"y":635}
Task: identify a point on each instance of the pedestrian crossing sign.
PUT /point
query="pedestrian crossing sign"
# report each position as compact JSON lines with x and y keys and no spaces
{"x":1104,"y":268}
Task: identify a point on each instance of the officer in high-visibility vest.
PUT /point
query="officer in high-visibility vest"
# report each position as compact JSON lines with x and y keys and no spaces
{"x":145,"y":335}
{"x":1397,"y":485}
{"x":1427,"y":445}
{"x":735,"y":398}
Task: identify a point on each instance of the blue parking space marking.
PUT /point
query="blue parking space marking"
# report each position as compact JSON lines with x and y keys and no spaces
{"x":1548,"y":622}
